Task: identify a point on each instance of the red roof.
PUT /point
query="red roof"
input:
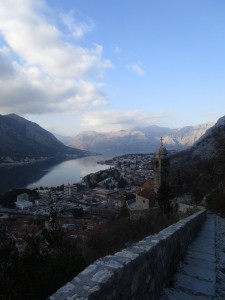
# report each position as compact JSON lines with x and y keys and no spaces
{"x":146,"y":190}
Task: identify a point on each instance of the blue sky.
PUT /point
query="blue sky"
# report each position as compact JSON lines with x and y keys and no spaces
{"x":102,"y":65}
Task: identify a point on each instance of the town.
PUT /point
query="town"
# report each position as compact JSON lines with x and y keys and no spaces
{"x":84,"y":207}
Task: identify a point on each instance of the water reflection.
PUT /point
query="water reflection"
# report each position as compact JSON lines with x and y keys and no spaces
{"x":48,"y":173}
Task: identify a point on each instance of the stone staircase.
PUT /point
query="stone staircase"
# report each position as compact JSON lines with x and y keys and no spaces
{"x":196,"y":277}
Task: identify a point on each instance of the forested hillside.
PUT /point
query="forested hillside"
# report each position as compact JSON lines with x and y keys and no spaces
{"x":201,"y":170}
{"x":21,"y":138}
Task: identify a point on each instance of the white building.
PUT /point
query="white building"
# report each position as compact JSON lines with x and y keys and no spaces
{"x":70,"y":190}
{"x":23,"y":201}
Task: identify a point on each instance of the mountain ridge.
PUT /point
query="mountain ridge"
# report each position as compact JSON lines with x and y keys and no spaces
{"x":207,"y":144}
{"x":139,"y":139}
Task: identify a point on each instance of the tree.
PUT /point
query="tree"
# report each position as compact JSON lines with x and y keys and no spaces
{"x":162,"y":197}
{"x":122,"y":183}
{"x":48,"y":261}
{"x":77,"y":212}
{"x":9,"y":258}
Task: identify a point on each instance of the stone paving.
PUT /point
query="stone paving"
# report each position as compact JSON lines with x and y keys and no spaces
{"x":196,"y":277}
{"x":220,"y":258}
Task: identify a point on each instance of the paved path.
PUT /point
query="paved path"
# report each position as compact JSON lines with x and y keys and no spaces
{"x":196,"y":277}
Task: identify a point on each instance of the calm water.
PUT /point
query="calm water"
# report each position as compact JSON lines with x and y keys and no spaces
{"x":50,"y":173}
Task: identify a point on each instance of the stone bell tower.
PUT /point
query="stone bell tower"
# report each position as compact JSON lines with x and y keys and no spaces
{"x":161,"y":166}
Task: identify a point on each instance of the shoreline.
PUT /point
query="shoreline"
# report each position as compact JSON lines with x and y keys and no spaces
{"x":30,"y":161}
{"x":22,"y":163}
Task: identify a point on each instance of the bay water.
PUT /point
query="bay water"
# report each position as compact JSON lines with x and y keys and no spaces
{"x":49,"y":173}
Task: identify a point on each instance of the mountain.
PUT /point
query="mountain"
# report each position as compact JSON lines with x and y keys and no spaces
{"x":199,"y":171}
{"x":21,"y":138}
{"x":139,"y":139}
{"x":63,"y":138}
{"x":209,"y":143}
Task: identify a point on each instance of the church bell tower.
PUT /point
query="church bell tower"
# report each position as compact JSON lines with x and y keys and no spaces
{"x":161,"y":166}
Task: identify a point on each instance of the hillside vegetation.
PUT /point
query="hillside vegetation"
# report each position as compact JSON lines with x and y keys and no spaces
{"x":201,"y":170}
{"x":50,"y":259}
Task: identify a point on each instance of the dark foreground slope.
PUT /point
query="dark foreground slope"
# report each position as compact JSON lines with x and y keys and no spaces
{"x":21,"y":138}
{"x":201,"y":170}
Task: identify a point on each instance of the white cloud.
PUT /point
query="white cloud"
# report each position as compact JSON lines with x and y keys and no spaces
{"x":136,"y":68}
{"x":6,"y":67}
{"x":117,"y":120}
{"x":40,"y":70}
{"x":76,"y":28}
{"x":28,"y":90}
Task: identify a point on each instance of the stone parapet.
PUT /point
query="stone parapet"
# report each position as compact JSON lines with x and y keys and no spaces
{"x":137,"y":272}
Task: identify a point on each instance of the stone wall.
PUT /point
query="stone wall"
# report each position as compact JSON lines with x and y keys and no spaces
{"x":138,"y":272}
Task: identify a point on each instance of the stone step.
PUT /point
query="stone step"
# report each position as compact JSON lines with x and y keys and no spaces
{"x":194,"y":285}
{"x":196,"y":277}
{"x":174,"y":294}
{"x":198,"y":272}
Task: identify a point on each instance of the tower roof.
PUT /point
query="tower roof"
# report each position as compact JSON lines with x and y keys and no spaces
{"x":161,"y":151}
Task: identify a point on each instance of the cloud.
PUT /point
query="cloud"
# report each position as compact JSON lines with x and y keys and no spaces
{"x":136,"y":68}
{"x":117,"y":120}
{"x":41,"y":71}
{"x":76,"y":28}
{"x":27,"y":90}
{"x":6,"y":68}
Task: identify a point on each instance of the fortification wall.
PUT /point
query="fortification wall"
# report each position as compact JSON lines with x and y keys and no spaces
{"x":138,"y":272}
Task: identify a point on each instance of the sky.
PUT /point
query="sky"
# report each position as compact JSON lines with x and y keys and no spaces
{"x":107,"y":65}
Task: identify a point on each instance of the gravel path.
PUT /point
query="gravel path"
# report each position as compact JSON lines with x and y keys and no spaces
{"x":220,"y":258}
